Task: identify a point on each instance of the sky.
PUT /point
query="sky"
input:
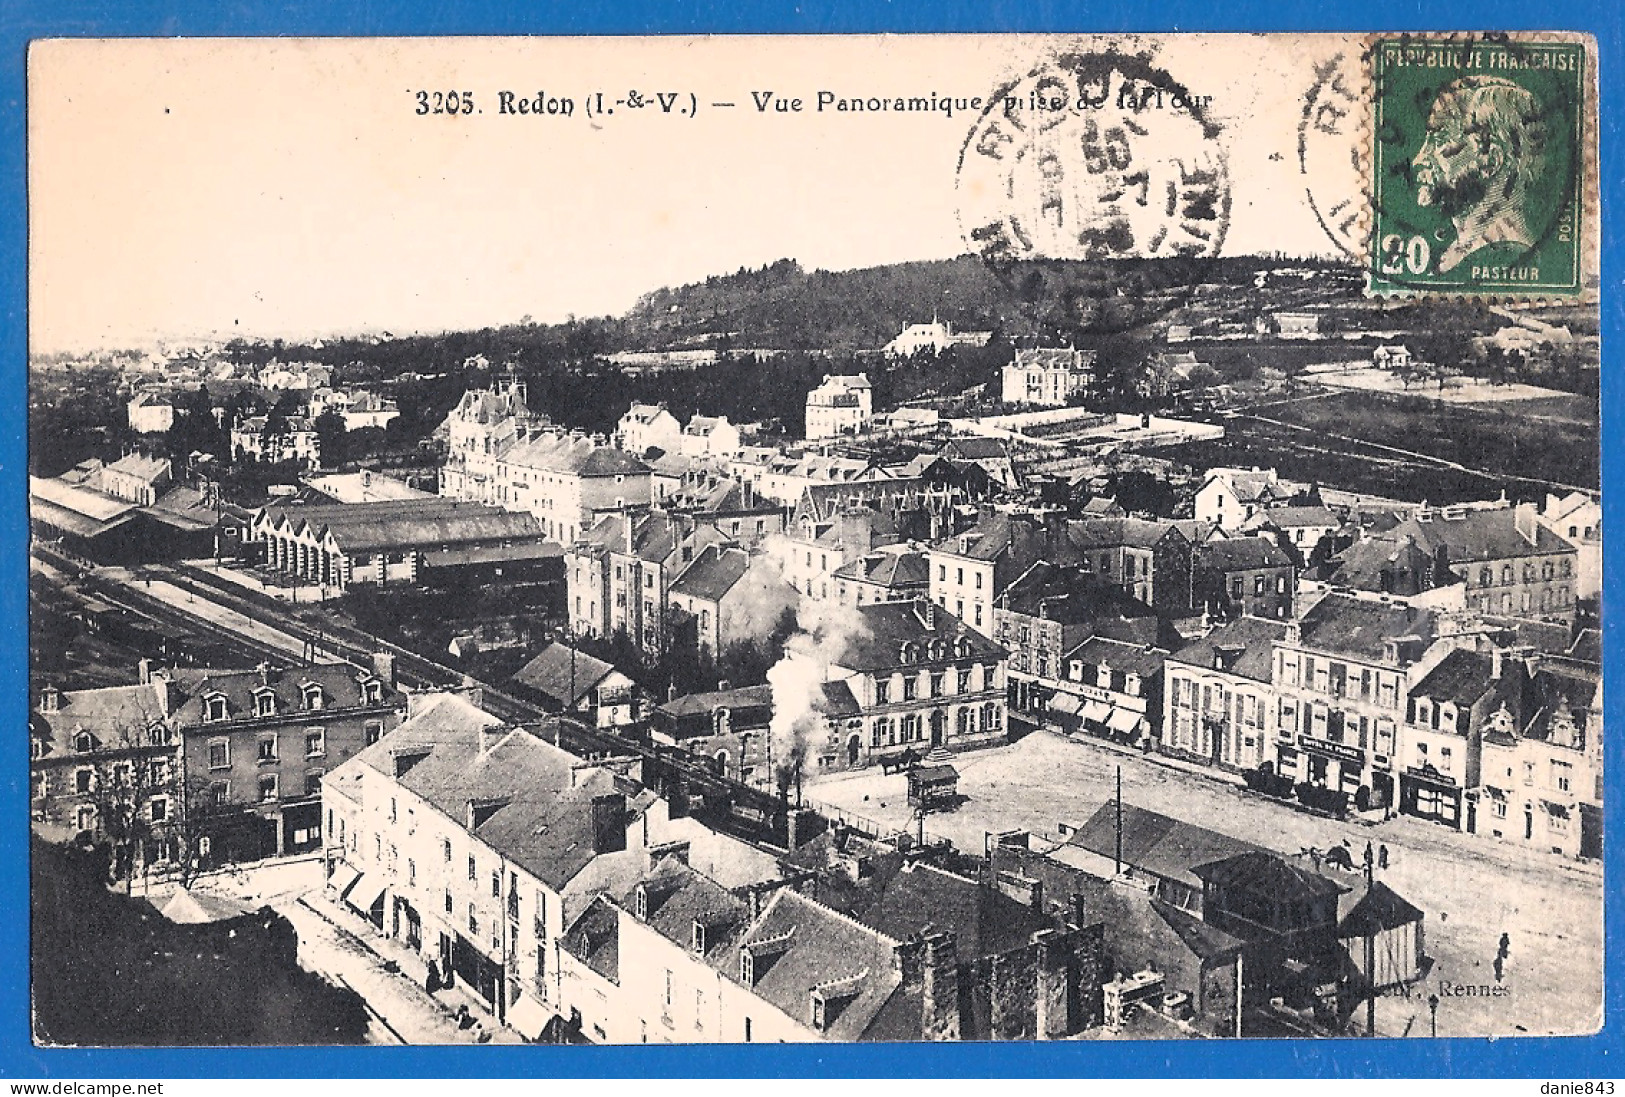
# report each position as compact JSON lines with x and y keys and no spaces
{"x":288,"y":188}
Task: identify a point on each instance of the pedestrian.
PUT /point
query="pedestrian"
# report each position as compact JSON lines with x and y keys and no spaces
{"x":1499,"y":963}
{"x":1505,"y":949}
{"x":1368,"y":855}
{"x":1382,"y":856}
{"x":1314,"y":857}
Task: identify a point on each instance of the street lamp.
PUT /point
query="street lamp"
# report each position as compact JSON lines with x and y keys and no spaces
{"x":1433,"y":1010}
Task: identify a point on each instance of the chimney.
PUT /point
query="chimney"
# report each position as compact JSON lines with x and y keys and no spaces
{"x":1523,"y":517}
{"x":264,"y":671}
{"x":608,"y":823}
{"x":490,"y":736}
{"x":627,"y":531}
{"x":143,"y":671}
{"x":383,"y":665}
{"x":1080,"y":910}
{"x":159,"y":680}
{"x":472,"y":691}
{"x":941,"y":991}
{"x":1497,"y":662}
{"x":794,"y":825}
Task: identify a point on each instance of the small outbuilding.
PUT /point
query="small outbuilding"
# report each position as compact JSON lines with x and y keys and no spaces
{"x":1394,"y":927}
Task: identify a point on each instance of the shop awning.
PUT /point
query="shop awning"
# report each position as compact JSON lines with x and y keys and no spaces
{"x":343,"y":878}
{"x":1066,"y":703}
{"x":1096,"y":712}
{"x":1124,"y":720}
{"x":366,"y":892}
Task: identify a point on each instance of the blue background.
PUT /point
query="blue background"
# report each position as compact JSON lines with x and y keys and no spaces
{"x":23,"y":20}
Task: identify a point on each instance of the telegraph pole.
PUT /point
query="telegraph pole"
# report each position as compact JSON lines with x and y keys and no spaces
{"x":1370,"y":953}
{"x":1119,"y":848}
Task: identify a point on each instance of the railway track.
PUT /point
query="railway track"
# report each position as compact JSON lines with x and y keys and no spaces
{"x":667,"y":769}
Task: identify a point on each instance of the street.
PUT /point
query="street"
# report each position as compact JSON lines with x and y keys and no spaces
{"x":1472,"y":889}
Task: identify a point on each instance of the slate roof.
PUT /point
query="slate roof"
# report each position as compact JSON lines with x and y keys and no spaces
{"x":341,"y":688}
{"x":925,"y":899}
{"x":835,"y":699}
{"x":890,"y":625}
{"x":1246,"y":644}
{"x":594,"y":938}
{"x":577,"y":456}
{"x":1268,"y":874}
{"x":1353,"y":626}
{"x":1470,"y":536}
{"x":551,"y":673}
{"x":693,"y":704}
{"x":408,"y":523}
{"x":1156,"y":843}
{"x":140,"y":467}
{"x":678,"y":897}
{"x":1070,"y":596}
{"x":1054,"y":358}
{"x":1461,"y":677}
{"x":1298,"y":517}
{"x":1099,"y":533}
{"x":822,"y":947}
{"x":713,"y":573}
{"x":1241,"y":554}
{"x":544,"y":821}
{"x":1377,"y":909}
{"x":894,"y":570}
{"x":1142,"y":659}
{"x":115,"y":716}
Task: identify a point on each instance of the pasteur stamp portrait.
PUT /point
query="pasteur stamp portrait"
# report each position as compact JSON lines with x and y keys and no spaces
{"x":1478,"y":165}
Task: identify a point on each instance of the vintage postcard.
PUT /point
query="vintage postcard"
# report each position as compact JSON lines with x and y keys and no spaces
{"x":757,"y":539}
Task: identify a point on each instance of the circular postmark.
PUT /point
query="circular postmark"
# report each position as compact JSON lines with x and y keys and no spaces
{"x":1477,"y":171}
{"x":1087,"y":160}
{"x":1332,"y":161}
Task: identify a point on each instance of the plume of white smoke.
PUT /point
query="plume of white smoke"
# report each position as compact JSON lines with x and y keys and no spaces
{"x":826,"y":628}
{"x":759,"y":600}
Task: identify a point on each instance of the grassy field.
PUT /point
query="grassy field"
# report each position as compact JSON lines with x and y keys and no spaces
{"x":1513,"y":445}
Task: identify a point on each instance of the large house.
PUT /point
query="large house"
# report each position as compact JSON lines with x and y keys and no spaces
{"x":730,"y":594}
{"x":934,"y":338}
{"x":292,"y":438}
{"x":1048,"y":376}
{"x":1511,"y":564}
{"x":842,"y":404}
{"x":618,"y":577}
{"x":150,"y":413}
{"x":914,"y":676}
{"x":1237,"y":576}
{"x":1232,"y":497}
{"x":479,"y":847}
{"x":258,"y":743}
{"x":1342,"y":674}
{"x":502,"y":454}
{"x":648,"y":426}
{"x":1219,"y":701}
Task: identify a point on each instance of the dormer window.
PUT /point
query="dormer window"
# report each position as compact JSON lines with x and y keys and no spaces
{"x":214,"y":707}
{"x":313,"y":695}
{"x":265,"y":701}
{"x":747,"y":967}
{"x":641,"y":903}
{"x":372,"y":691}
{"x":699,"y":937}
{"x":84,"y":742}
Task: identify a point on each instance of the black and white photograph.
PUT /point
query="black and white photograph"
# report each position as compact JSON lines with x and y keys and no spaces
{"x":835,"y":538}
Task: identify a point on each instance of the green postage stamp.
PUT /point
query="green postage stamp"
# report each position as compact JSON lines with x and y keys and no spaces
{"x":1479,"y":169}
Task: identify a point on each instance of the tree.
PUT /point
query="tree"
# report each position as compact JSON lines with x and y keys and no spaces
{"x":331,"y":438}
{"x":133,"y":790}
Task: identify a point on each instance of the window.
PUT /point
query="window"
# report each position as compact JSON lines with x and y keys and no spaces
{"x":83,"y":780}
{"x":86,"y":817}
{"x":1562,"y":775}
{"x":267,"y":748}
{"x":219,"y":754}
{"x":268,"y":787}
{"x":313,"y":696}
{"x":313,"y":782}
{"x":448,"y":902}
{"x":910,"y":687}
{"x":1258,"y":584}
{"x":473,"y":921}
{"x":394,"y":814}
{"x":375,"y":731}
{"x":1445,"y":759}
{"x":265,"y":703}
{"x":937,"y":682}
{"x":315,"y":742}
{"x":496,"y":885}
{"x":964,"y":680}
{"x":158,"y":809}
{"x":473,"y":868}
{"x":411,"y":872}
{"x":214,"y":708}
{"x":445,"y":849}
